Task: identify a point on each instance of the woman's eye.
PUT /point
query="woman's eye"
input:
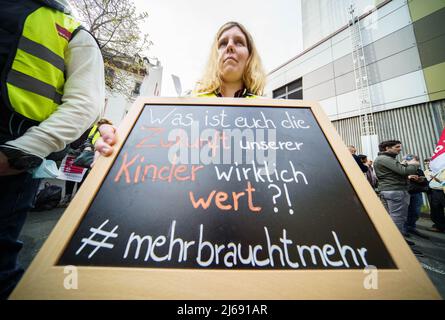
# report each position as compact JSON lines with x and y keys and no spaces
{"x":222,"y":44}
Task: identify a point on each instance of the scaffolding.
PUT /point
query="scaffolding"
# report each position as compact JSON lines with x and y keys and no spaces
{"x":367,"y":128}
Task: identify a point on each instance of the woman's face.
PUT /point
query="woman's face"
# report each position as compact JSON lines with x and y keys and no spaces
{"x":233,"y":54}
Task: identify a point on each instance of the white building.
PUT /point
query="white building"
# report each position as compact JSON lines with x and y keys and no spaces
{"x":403,"y":48}
{"x":144,"y":77}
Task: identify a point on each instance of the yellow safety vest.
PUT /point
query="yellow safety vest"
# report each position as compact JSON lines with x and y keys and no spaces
{"x":36,"y":78}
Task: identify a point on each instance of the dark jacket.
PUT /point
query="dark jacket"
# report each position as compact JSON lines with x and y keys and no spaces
{"x":360,"y":163}
{"x":392,"y":175}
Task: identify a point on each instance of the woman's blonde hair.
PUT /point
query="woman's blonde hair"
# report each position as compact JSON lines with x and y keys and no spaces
{"x":254,"y":77}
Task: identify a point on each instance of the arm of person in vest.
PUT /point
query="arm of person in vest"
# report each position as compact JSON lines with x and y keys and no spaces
{"x":82,"y":103}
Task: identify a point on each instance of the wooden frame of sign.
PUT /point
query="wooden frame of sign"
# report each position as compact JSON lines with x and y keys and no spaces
{"x":46,"y":280}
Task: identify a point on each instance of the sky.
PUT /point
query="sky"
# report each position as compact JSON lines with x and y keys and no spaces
{"x":182,"y":32}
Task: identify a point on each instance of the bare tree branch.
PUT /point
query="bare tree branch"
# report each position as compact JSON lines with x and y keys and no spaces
{"x":116,"y":26}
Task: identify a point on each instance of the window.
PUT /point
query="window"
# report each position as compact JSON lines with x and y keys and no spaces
{"x":109,"y":77}
{"x":293,"y":90}
{"x":295,"y":95}
{"x":137,"y":88}
{"x":109,"y":72}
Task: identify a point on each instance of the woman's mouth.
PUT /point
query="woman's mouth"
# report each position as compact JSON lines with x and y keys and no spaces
{"x":230,"y":58}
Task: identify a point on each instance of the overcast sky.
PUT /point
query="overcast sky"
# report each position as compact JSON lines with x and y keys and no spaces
{"x":182,"y":32}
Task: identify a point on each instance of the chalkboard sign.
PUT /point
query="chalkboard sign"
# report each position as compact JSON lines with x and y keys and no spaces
{"x":229,"y":185}
{"x":291,"y":208}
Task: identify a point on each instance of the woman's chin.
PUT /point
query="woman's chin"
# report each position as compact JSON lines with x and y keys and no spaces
{"x":232,"y":76}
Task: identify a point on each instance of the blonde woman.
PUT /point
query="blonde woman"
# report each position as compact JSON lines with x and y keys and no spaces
{"x":234,"y":67}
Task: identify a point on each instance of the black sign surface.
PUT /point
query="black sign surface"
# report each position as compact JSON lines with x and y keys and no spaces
{"x":224,"y":187}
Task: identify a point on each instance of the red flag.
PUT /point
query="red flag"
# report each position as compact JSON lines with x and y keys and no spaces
{"x":438,"y":159}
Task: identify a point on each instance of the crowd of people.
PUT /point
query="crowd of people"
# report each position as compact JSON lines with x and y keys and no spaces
{"x":401,"y":186}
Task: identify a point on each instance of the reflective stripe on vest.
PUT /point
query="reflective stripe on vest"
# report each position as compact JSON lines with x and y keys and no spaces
{"x":94,"y":134}
{"x":36,"y":79}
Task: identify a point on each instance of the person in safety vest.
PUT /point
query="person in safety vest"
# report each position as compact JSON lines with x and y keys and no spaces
{"x":52,"y":89}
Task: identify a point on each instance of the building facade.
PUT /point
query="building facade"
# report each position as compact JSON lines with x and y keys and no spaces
{"x":403,"y":45}
{"x":137,"y":77}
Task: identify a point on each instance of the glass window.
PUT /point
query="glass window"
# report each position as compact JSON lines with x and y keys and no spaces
{"x":279,"y":92}
{"x":296,"y":95}
{"x":137,"y":88}
{"x":294,"y":85}
{"x":292,"y":90}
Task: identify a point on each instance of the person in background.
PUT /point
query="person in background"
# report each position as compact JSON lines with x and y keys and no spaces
{"x":428,"y":175}
{"x":370,"y":174}
{"x":393,"y":181}
{"x":74,"y":150}
{"x":417,"y":185}
{"x":353,"y":151}
{"x":436,"y":198}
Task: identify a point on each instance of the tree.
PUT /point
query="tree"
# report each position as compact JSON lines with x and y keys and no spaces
{"x":116,"y":26}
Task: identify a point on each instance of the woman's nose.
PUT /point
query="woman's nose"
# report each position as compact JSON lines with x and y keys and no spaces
{"x":230,"y":47}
